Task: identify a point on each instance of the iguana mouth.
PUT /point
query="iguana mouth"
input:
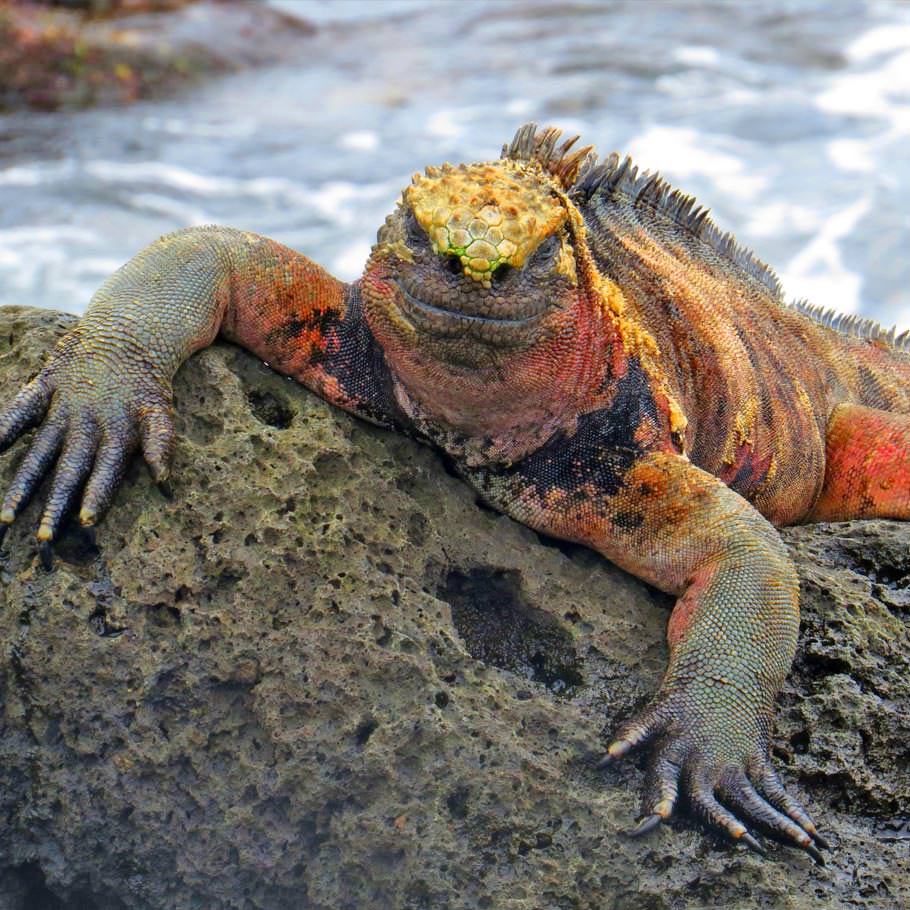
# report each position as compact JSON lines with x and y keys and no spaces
{"x":440,"y":320}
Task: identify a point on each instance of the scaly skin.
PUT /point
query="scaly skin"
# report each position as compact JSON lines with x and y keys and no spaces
{"x":599,"y":362}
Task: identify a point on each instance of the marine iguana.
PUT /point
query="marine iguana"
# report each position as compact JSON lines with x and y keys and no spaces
{"x":597,"y":359}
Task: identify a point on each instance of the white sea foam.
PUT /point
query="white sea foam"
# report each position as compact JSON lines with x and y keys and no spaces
{"x":360,"y":141}
{"x":880,"y":91}
{"x":880,"y":40}
{"x":98,"y":267}
{"x":444,"y":125}
{"x":519,"y":107}
{"x":853,"y":154}
{"x":38,"y":174}
{"x":335,"y":201}
{"x":680,"y":153}
{"x":874,"y":92}
{"x":818,"y":273}
{"x":44,"y":235}
{"x":181,"y":126}
{"x":175,"y":210}
{"x":696,"y":55}
{"x":766,"y":220}
{"x":40,"y":257}
{"x":185,"y":180}
{"x":322,"y":12}
{"x":348,"y":266}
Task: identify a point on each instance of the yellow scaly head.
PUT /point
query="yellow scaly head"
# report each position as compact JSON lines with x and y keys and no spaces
{"x":489,"y":215}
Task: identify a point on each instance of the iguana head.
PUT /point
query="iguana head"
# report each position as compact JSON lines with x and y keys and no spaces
{"x":475,"y":288}
{"x":485,"y":219}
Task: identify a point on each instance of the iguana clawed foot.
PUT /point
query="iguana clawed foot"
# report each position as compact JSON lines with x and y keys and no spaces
{"x":708,"y":758}
{"x":91,"y":426}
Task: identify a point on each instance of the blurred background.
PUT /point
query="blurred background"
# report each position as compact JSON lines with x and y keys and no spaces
{"x":303,"y":120}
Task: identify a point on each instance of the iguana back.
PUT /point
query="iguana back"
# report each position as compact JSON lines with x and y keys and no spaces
{"x":757,"y":378}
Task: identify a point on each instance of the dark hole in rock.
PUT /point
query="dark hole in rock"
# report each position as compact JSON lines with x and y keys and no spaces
{"x":457,"y":802}
{"x":499,"y":627}
{"x":365,"y":730}
{"x":101,"y":626}
{"x":77,"y":546}
{"x":800,"y":741}
{"x":886,"y":563}
{"x":270,"y":409}
{"x":164,"y":615}
{"x":36,"y":895}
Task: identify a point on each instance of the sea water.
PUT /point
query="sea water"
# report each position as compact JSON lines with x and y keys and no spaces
{"x":790,"y":120}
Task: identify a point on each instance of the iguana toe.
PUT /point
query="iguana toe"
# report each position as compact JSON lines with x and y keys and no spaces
{"x":772,"y":788}
{"x":109,"y":468}
{"x":36,"y":463}
{"x":646,"y":824}
{"x":25,"y":410}
{"x":156,"y":430}
{"x":73,"y":467}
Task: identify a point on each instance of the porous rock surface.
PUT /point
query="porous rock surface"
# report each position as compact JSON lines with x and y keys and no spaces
{"x":322,"y":676}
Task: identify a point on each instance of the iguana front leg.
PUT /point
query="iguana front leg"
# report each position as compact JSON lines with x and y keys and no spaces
{"x":732,"y":634}
{"x":106,"y":389}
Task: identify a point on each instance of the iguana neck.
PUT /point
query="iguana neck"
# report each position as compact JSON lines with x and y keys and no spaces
{"x":503,"y":411}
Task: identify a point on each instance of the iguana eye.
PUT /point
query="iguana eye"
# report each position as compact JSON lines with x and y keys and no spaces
{"x":415,"y":233}
{"x":453,"y":264}
{"x":547,"y":251}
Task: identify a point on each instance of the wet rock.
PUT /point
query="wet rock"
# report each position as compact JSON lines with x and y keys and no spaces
{"x":79,"y":52}
{"x":279,"y":690}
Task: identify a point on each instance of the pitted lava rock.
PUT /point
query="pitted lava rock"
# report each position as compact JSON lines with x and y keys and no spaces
{"x":256,"y":695}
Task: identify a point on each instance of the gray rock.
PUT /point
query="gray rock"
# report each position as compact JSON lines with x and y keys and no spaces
{"x":323,"y":676}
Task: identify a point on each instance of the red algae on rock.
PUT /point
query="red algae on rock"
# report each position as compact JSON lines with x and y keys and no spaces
{"x":116,"y":51}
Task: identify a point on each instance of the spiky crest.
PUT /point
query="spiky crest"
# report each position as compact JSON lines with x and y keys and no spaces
{"x":583,"y":178}
{"x":531,"y":145}
{"x":856,"y":326}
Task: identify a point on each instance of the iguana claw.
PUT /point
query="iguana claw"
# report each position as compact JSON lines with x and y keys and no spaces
{"x":702,"y":761}
{"x":648,"y":823}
